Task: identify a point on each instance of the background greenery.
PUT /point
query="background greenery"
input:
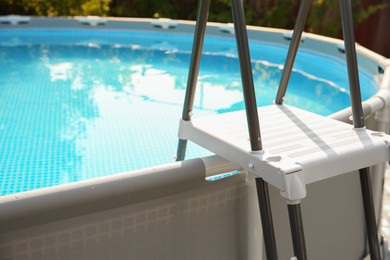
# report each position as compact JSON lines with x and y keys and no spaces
{"x":324,"y":15}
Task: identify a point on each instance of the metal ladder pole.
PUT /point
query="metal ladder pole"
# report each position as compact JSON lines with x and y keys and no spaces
{"x":192,"y":80}
{"x":296,"y":227}
{"x":294,"y":207}
{"x":358,"y":122}
{"x":253,"y":124}
{"x":293,"y":49}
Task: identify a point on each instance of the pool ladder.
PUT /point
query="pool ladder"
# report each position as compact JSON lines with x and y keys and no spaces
{"x":294,"y":209}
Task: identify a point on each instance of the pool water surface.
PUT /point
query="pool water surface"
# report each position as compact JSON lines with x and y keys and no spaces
{"x":76,"y":105}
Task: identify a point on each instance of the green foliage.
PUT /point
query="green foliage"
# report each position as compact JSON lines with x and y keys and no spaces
{"x":277,"y":13}
{"x":220,"y":11}
{"x":55,"y":7}
{"x":372,"y":9}
{"x":145,"y":8}
{"x":324,"y":15}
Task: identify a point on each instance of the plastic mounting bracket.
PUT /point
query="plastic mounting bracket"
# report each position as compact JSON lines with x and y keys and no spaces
{"x":294,"y":186}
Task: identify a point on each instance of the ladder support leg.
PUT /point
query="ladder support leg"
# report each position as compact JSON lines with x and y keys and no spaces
{"x":253,"y":123}
{"x":293,"y":49}
{"x":353,"y":73}
{"x":358,"y":121}
{"x":197,"y":47}
{"x":297,"y":233}
{"x":181,"y":150}
{"x":246,"y":75}
{"x":369,"y":214}
{"x":266,"y":219}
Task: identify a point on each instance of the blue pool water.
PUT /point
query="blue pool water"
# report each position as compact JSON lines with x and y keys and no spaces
{"x":76,"y":105}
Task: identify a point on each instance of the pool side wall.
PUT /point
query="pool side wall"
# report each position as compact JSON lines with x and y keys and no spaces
{"x":171,"y":212}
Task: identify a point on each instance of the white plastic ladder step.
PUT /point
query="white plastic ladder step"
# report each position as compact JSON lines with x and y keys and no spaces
{"x":311,"y":146}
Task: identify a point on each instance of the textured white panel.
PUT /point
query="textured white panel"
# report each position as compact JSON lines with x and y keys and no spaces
{"x":294,"y":140}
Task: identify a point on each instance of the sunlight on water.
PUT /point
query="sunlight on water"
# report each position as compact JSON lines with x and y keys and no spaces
{"x":77,"y":106}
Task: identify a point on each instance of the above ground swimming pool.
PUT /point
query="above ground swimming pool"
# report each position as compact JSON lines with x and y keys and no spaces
{"x":78,"y":104}
{"x":83,"y":97}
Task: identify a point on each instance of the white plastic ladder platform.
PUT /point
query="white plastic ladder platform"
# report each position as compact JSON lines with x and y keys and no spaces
{"x":299,"y":147}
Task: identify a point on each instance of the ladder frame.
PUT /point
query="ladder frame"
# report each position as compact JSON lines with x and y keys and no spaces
{"x":356,"y":104}
{"x":294,"y":209}
{"x":250,"y":104}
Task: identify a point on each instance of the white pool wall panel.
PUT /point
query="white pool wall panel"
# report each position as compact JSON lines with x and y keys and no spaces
{"x":192,"y":219}
{"x":187,"y":217}
{"x":171,"y":212}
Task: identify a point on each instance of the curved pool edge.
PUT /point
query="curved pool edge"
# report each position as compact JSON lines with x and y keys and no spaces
{"x":369,"y":60}
{"x":129,"y":187}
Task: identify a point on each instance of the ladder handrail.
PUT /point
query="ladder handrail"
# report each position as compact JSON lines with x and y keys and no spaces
{"x":200,"y":29}
{"x":358,"y":122}
{"x":250,"y":103}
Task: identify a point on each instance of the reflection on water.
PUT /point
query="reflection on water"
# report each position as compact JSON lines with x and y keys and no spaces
{"x":76,"y":112}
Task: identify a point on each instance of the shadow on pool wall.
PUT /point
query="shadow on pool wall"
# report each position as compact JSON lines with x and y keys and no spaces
{"x":171,"y":212}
